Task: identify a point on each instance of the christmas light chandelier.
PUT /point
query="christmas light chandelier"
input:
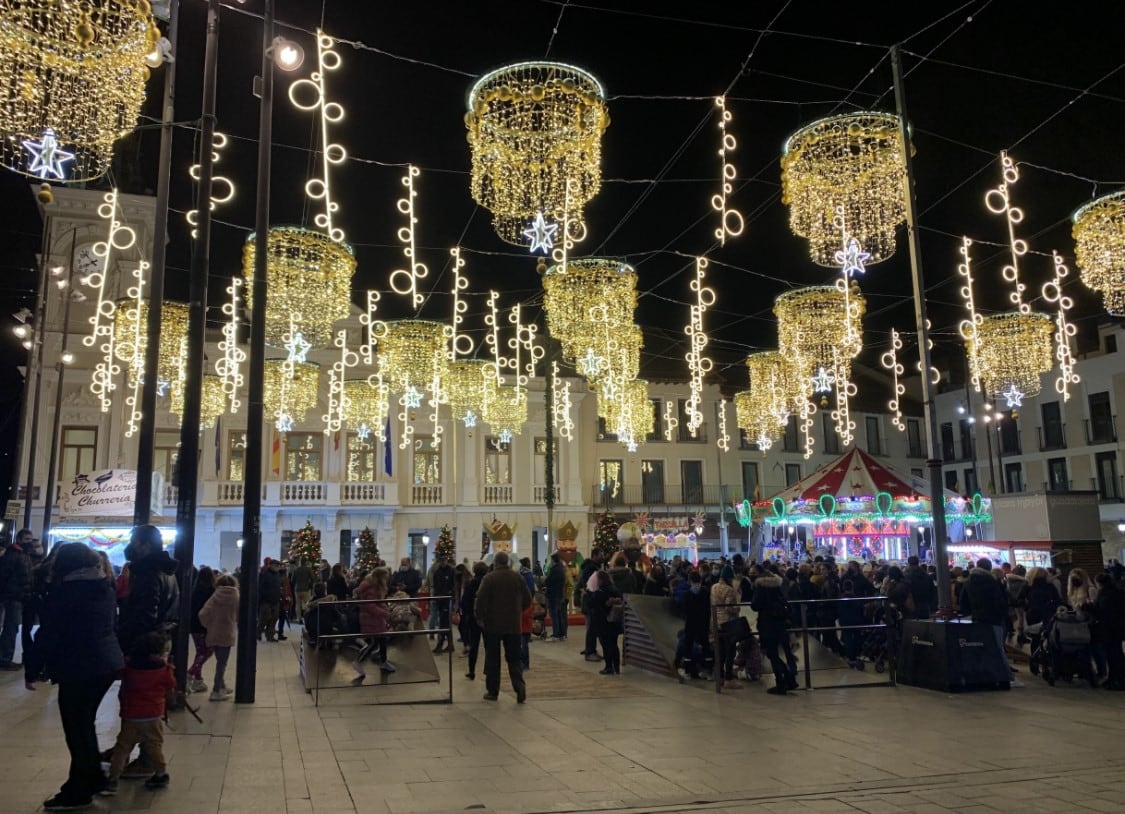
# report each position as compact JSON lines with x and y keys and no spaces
{"x":73,"y":76}
{"x":1014,"y":348}
{"x":532,"y":128}
{"x":290,"y":390}
{"x":130,"y":341}
{"x":309,"y":279}
{"x":413,"y":360}
{"x":367,"y":407}
{"x":763,"y":410}
{"x":584,"y":299}
{"x":212,"y":404}
{"x":854,"y":161}
{"x":1099,"y":247}
{"x":505,"y":409}
{"x":464,"y":389}
{"x":629,"y":414}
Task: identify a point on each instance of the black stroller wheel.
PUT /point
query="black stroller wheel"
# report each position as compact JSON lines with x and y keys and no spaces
{"x":880,"y":666}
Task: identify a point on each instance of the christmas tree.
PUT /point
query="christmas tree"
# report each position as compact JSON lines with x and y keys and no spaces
{"x":605,"y":535}
{"x":367,"y":557}
{"x":306,"y":545}
{"x":445,"y":546}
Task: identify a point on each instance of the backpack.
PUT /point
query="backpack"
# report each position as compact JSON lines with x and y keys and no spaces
{"x":402,"y":615}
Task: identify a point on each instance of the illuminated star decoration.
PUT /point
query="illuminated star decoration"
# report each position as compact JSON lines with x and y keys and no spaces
{"x":764,"y":443}
{"x":541,"y":234}
{"x":47,"y":158}
{"x":162,"y":388}
{"x":298,"y":348}
{"x":590,"y":364}
{"x":852,"y":258}
{"x":822,"y":381}
{"x":412,"y":397}
{"x":470,"y":419}
{"x":1013,"y":396}
{"x":505,"y":436}
{"x":363,"y":432}
{"x":284,"y":422}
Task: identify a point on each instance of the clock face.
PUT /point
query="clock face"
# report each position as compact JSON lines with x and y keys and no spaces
{"x":86,"y":262}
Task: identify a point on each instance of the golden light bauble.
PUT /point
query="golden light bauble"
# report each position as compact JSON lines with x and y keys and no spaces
{"x":290,"y":389}
{"x":464,"y":387}
{"x":588,"y":300}
{"x":130,"y":338}
{"x":811,"y":328}
{"x":1013,"y":350}
{"x":413,"y":353}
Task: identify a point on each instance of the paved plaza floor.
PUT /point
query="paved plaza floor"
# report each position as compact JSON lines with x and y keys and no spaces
{"x":632,"y":743}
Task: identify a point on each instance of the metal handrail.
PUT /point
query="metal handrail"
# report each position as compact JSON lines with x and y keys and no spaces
{"x":389,"y":633}
{"x":805,"y":630}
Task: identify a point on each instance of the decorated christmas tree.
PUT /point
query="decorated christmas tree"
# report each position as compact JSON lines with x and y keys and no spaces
{"x":306,"y":545}
{"x":367,"y":556}
{"x":605,"y":535}
{"x":445,"y":546}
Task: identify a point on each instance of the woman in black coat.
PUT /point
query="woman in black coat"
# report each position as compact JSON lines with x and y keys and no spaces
{"x":602,"y":602}
{"x":469,"y":619}
{"x":77,"y":647}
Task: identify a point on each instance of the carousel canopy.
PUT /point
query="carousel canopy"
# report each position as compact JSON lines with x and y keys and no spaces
{"x":856,"y":487}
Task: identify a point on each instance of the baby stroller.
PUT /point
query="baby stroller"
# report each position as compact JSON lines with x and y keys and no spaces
{"x":1064,"y":648}
{"x":539,"y":615}
{"x":880,"y":643}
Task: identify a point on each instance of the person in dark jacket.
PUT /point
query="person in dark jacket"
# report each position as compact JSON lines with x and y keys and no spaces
{"x":77,"y":648}
{"x":773,"y":614}
{"x":1109,"y":628}
{"x":657,"y":582}
{"x":922,"y":588}
{"x":37,"y":593}
{"x":469,"y":619}
{"x":443,"y":586}
{"x":697,"y":625}
{"x":1042,"y":599}
{"x":602,"y":603}
{"x":408,"y":577}
{"x":623,"y":576}
{"x":153,"y":602}
{"x":269,"y":600}
{"x":589,"y":566}
{"x":200,"y":593}
{"x":983,"y":597}
{"x":338,"y":583}
{"x":15,"y":583}
{"x":500,"y":602}
{"x":555,"y":588}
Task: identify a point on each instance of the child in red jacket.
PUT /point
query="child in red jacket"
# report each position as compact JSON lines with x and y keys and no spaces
{"x":146,"y":688}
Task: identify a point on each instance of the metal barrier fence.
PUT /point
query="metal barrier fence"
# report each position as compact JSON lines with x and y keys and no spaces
{"x":890,"y":626}
{"x":336,"y":615}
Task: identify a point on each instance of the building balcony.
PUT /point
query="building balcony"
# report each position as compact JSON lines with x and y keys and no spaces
{"x":1052,"y":437}
{"x":1058,"y":487}
{"x":1109,"y":491}
{"x":1101,"y":431}
{"x":497,"y":494}
{"x":672,"y":494}
{"x":539,"y":494}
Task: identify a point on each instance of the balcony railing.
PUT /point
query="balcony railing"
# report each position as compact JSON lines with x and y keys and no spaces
{"x":673,"y":494}
{"x":231,"y":492}
{"x":1113,"y":491}
{"x":304,"y":492}
{"x":915,"y":451}
{"x":426,"y":494}
{"x":1101,"y":431}
{"x":539,"y":494}
{"x":1010,"y":444}
{"x":367,"y":494}
{"x":1060,"y":487}
{"x":171,"y":495}
{"x":497,"y":493}
{"x":1052,"y":437}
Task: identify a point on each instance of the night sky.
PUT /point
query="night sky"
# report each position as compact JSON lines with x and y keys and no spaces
{"x":1042,"y":80}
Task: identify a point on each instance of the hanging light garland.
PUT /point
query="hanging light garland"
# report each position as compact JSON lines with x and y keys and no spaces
{"x":290,"y":390}
{"x":854,"y":161}
{"x":308,"y":277}
{"x":73,"y":76}
{"x":731,"y":222}
{"x":405,"y":281}
{"x":229,"y":365}
{"x":1099,"y":247}
{"x":723,"y":441}
{"x":628,"y":414}
{"x":763,"y":410}
{"x":222,"y":188}
{"x":1064,"y":328}
{"x":129,"y":348}
{"x":130,"y":341}
{"x":332,"y":153}
{"x":118,"y":238}
{"x":373,"y":328}
{"x":850,"y":258}
{"x":671,"y":421}
{"x":970,"y":328}
{"x":561,"y":404}
{"x":337,"y":397}
{"x":890,"y":361}
{"x":532,"y":128}
{"x":699,"y":365}
{"x":1013,"y":348}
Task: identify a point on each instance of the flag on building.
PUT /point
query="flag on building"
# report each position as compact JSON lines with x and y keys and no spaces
{"x":387,"y":448}
{"x":275,"y":454}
